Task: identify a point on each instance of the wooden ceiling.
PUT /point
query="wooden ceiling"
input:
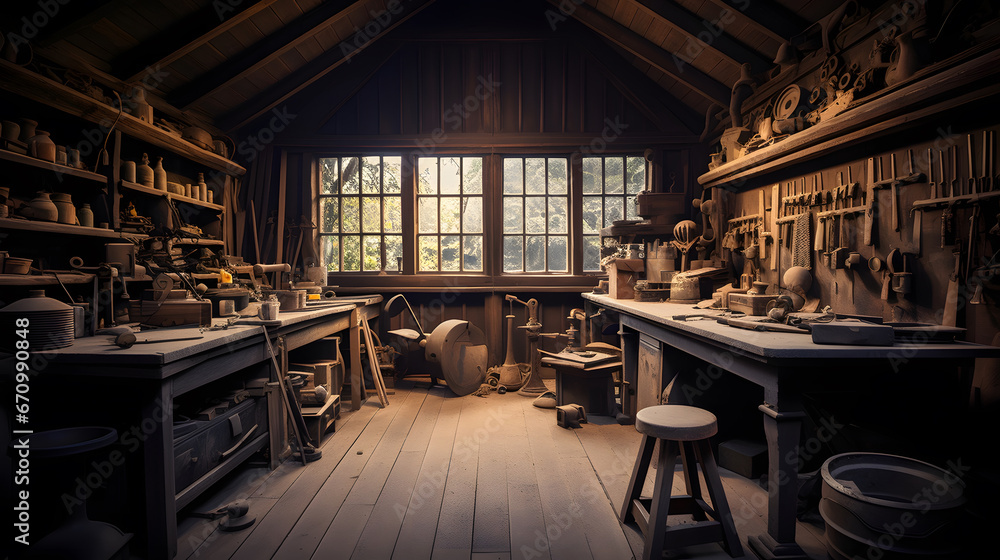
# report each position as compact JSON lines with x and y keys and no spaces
{"x":227,"y":62}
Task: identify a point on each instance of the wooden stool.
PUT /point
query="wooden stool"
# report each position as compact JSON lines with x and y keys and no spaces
{"x":681,"y":430}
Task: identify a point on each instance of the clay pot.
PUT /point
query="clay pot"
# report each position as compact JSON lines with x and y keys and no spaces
{"x":202,"y":188}
{"x":144,"y":173}
{"x":128,"y":171}
{"x":27,"y":130}
{"x":85,"y":215}
{"x":42,"y":147}
{"x":42,"y":208}
{"x":64,"y":204}
{"x":11,"y":130}
{"x":159,"y":176}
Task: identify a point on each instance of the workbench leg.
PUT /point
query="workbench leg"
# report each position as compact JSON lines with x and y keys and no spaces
{"x":630,"y":368}
{"x":782,"y":430}
{"x":157,"y":426}
{"x":358,"y":393}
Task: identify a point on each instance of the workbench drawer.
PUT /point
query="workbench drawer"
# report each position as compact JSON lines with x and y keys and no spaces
{"x":198,"y":452}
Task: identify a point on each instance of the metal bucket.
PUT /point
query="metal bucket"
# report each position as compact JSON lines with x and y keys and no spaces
{"x":888,"y":507}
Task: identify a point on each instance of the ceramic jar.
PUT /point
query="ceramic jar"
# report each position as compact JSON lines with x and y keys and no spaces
{"x":42,"y":147}
{"x":202,"y":188}
{"x":159,"y":176}
{"x":85,"y":215}
{"x":42,"y":208}
{"x":128,"y":171}
{"x":27,"y":130}
{"x":143,"y":172}
{"x":62,"y":158}
{"x":64,"y":204}
{"x":11,"y":130}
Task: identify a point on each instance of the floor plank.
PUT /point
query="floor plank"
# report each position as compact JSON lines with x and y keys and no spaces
{"x":443,"y":477}
{"x":420,"y":519}
{"x":307,"y":491}
{"x":379,"y":536}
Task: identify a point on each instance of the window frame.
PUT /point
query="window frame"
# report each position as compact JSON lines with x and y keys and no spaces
{"x":492,"y":273}
{"x":361,"y":234}
{"x":461,"y":194}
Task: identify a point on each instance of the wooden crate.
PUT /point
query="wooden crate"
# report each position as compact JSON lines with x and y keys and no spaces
{"x":322,"y":419}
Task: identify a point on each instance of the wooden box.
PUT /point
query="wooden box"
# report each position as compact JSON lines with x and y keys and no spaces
{"x":171,"y":312}
{"x":321,"y":419}
{"x":751,"y":304}
{"x":622,"y":275}
{"x":329,"y":373}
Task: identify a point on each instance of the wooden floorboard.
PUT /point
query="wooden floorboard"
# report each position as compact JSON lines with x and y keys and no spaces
{"x":420,"y":519}
{"x":443,"y":477}
{"x":320,"y":514}
{"x":306,"y":490}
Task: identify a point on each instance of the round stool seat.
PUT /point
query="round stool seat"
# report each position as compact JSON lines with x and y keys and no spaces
{"x":676,"y":422}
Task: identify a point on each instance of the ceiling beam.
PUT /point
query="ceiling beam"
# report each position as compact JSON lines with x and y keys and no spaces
{"x":262,"y":52}
{"x":317,"y":68}
{"x":184,"y":36}
{"x":702,"y":35}
{"x":672,"y":65}
{"x":767,"y":17}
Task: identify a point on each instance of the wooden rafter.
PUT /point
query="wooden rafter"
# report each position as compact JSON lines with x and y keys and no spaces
{"x":697,"y":28}
{"x":676,"y":68}
{"x":767,"y":17}
{"x":70,"y":17}
{"x":315,"y":69}
{"x":263,"y":52}
{"x":184,"y":36}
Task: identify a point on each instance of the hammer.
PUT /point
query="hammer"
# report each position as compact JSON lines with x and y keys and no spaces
{"x":127,"y":339}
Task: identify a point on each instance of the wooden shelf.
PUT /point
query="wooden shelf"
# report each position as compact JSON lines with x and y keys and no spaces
{"x":176,"y":197}
{"x":939,"y":89}
{"x":28,"y":84}
{"x":199,"y":242}
{"x":637,"y":229}
{"x":53,"y":227}
{"x":44,"y":280}
{"x":54,"y":167}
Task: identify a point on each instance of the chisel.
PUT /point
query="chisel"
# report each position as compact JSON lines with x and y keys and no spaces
{"x":869,"y":201}
{"x":972,"y":169}
{"x":919,"y":217}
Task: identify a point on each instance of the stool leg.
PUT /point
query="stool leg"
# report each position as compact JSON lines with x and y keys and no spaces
{"x":691,"y":482}
{"x":639,"y":471}
{"x":714,"y":482}
{"x":657,"y":526}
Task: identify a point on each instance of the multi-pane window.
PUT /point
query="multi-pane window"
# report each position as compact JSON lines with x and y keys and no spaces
{"x":449,"y":214}
{"x":360,"y":205}
{"x":609,"y":186}
{"x":535,"y":214}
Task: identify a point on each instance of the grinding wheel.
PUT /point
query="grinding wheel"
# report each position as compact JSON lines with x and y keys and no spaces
{"x":788,"y":102}
{"x":460,"y":348}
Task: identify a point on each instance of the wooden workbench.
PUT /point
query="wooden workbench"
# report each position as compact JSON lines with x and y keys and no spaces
{"x":785,"y":365}
{"x":135,"y":388}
